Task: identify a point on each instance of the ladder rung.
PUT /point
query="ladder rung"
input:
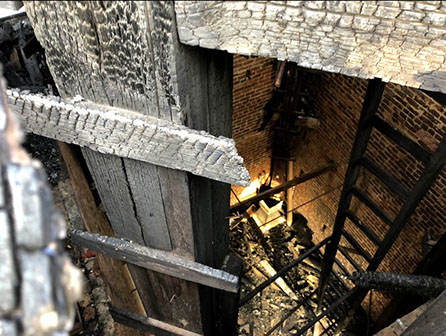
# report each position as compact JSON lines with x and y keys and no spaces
{"x":342,"y":267}
{"x":283,"y":158}
{"x":391,"y":182}
{"x":402,"y":140}
{"x":372,"y":206}
{"x":356,"y":246}
{"x":350,"y":259}
{"x":281,"y":129}
{"x":367,"y":231}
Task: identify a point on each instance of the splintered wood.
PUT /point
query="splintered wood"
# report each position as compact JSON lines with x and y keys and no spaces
{"x":279,"y":282}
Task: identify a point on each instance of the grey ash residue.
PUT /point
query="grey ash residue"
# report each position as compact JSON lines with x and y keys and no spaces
{"x":46,"y":151}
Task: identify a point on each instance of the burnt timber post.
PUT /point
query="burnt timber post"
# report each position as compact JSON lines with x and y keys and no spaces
{"x":126,"y":54}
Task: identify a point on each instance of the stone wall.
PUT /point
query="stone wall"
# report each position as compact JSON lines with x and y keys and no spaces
{"x":399,"y":41}
{"x":337,"y":100}
{"x":252,"y":88}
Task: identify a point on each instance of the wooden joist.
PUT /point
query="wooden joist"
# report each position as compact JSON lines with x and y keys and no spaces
{"x":157,"y":260}
{"x":298,"y":180}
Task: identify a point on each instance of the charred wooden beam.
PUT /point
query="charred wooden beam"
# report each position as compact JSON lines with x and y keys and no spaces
{"x":114,"y":272}
{"x":279,"y":73}
{"x":402,"y":283}
{"x":147,"y":324}
{"x":157,"y":260}
{"x":228,"y":317}
{"x":241,"y":206}
{"x":131,"y":135}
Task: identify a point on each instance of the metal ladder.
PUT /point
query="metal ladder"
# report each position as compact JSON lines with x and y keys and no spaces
{"x":433,"y":162}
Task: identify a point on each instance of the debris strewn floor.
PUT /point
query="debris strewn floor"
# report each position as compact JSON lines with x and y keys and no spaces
{"x":269,"y":251}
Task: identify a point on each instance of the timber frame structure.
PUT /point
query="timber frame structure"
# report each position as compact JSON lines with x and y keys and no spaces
{"x":153,"y":117}
{"x":123,"y":77}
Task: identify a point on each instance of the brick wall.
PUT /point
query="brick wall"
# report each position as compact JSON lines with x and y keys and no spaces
{"x":253,"y":85}
{"x":337,"y":100}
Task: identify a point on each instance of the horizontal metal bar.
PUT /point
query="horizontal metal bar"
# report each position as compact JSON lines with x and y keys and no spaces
{"x":325,"y":313}
{"x":350,"y":259}
{"x":157,"y":260}
{"x":367,"y":231}
{"x":243,"y":205}
{"x":400,"y":139}
{"x":356,"y":246}
{"x":390,"y":181}
{"x":147,"y":324}
{"x":342,"y":267}
{"x":283,"y":271}
{"x":372,"y":206}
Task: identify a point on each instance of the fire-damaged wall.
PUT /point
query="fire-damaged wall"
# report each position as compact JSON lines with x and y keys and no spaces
{"x":337,"y":100}
{"x":252,"y":88}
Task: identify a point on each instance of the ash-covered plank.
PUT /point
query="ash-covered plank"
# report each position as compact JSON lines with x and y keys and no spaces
{"x":130,"y":135}
{"x":158,"y":260}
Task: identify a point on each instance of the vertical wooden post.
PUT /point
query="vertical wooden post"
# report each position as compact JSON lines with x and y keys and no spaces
{"x":289,"y":194}
{"x":126,"y":54}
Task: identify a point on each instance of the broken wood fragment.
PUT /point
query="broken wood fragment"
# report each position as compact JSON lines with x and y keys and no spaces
{"x":279,"y":281}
